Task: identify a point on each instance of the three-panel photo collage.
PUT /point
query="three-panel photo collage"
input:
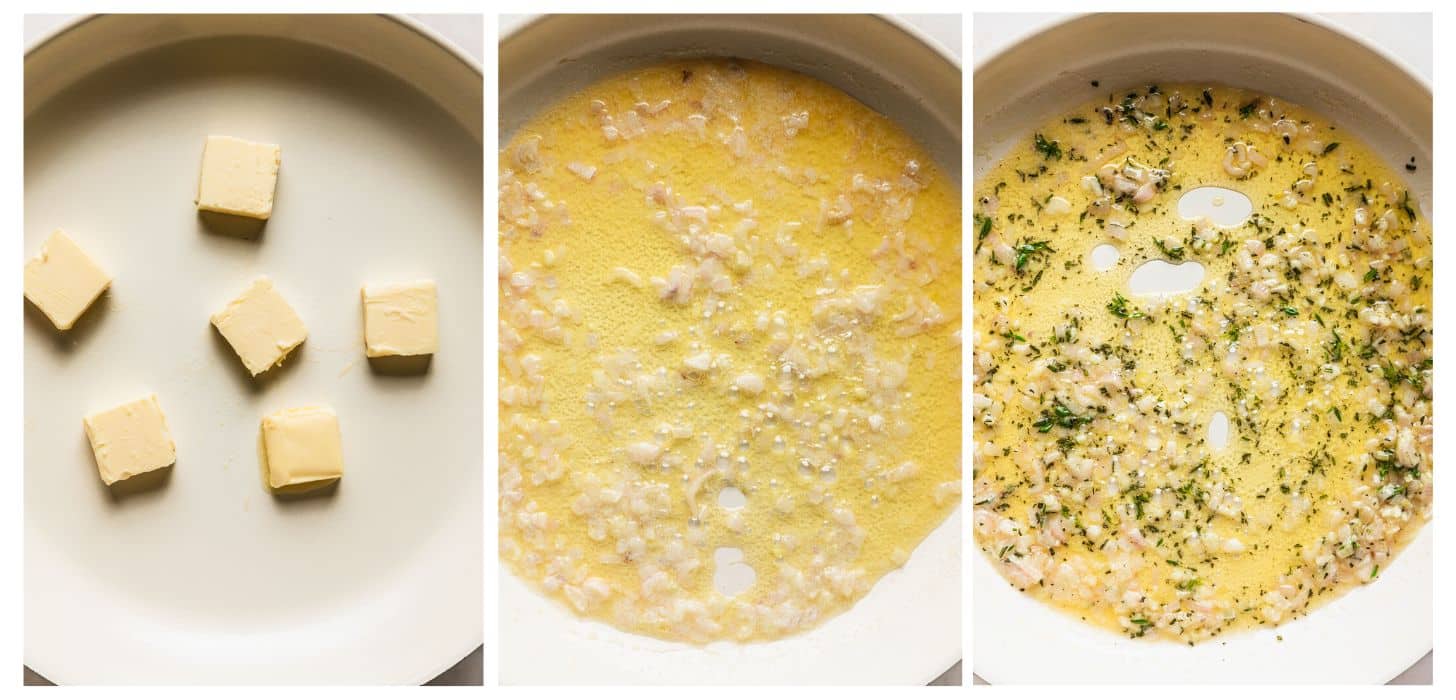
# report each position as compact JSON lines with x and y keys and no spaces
{"x":523,"y":350}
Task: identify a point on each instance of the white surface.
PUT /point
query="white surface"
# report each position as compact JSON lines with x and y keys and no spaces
{"x":206,"y":577}
{"x":1350,"y":639}
{"x":945,"y":30}
{"x":853,"y":648}
{"x":1408,"y":37}
{"x":906,"y":630}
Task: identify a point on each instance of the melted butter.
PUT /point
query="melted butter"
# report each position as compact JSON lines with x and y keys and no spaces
{"x":1096,"y":489}
{"x":720,"y":274}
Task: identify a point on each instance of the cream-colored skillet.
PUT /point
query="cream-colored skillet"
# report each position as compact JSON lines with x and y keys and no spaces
{"x":907,"y":630}
{"x":1366,"y":636}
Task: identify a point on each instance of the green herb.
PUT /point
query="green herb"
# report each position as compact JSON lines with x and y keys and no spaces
{"x":1405,"y":205}
{"x":1051,"y":150}
{"x":1335,"y":349}
{"x":1290,"y":311}
{"x":1025,"y":251}
{"x":1118,"y":307}
{"x":1331,"y":147}
{"x":1059,"y":415}
{"x":1172,"y":253}
{"x":1247,"y":110}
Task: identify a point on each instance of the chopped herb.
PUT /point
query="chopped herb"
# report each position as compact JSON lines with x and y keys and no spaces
{"x":1405,"y":205}
{"x":1050,"y":150}
{"x":1172,"y":253}
{"x":1118,"y":307}
{"x":1335,"y":349}
{"x":1329,"y":148}
{"x":1025,"y":251}
{"x":1060,"y":415}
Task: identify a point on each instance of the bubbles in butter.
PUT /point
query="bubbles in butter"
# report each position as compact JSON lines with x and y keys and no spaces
{"x":729,"y":350}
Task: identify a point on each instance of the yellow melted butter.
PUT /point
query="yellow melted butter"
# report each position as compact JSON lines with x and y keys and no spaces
{"x":1305,"y":446}
{"x":822,"y":199}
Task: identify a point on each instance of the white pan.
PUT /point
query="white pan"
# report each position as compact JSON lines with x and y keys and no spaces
{"x":907,"y":630}
{"x":207,"y":578}
{"x":1366,"y":636}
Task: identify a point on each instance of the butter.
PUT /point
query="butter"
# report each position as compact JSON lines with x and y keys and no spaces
{"x":238,"y":177}
{"x":261,"y":326}
{"x":130,"y":439}
{"x":63,"y":281}
{"x":302,"y":448}
{"x":400,"y":319}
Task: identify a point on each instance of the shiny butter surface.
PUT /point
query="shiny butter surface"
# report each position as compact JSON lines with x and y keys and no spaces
{"x":302,"y":448}
{"x":729,"y":350}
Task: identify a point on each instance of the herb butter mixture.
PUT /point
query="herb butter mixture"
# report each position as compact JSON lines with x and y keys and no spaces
{"x":1097,"y":488}
{"x":729,"y":351}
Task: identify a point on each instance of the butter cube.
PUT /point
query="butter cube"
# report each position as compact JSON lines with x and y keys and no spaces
{"x":130,"y":439}
{"x":238,"y":177}
{"x":302,"y":448}
{"x":400,"y":319}
{"x":261,"y":326}
{"x":63,"y":281}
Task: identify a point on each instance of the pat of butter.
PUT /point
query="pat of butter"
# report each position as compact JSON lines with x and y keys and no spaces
{"x":261,"y":326}
{"x":302,"y":448}
{"x":63,"y":281}
{"x":238,"y":177}
{"x":130,"y":439}
{"x":400,"y":319}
